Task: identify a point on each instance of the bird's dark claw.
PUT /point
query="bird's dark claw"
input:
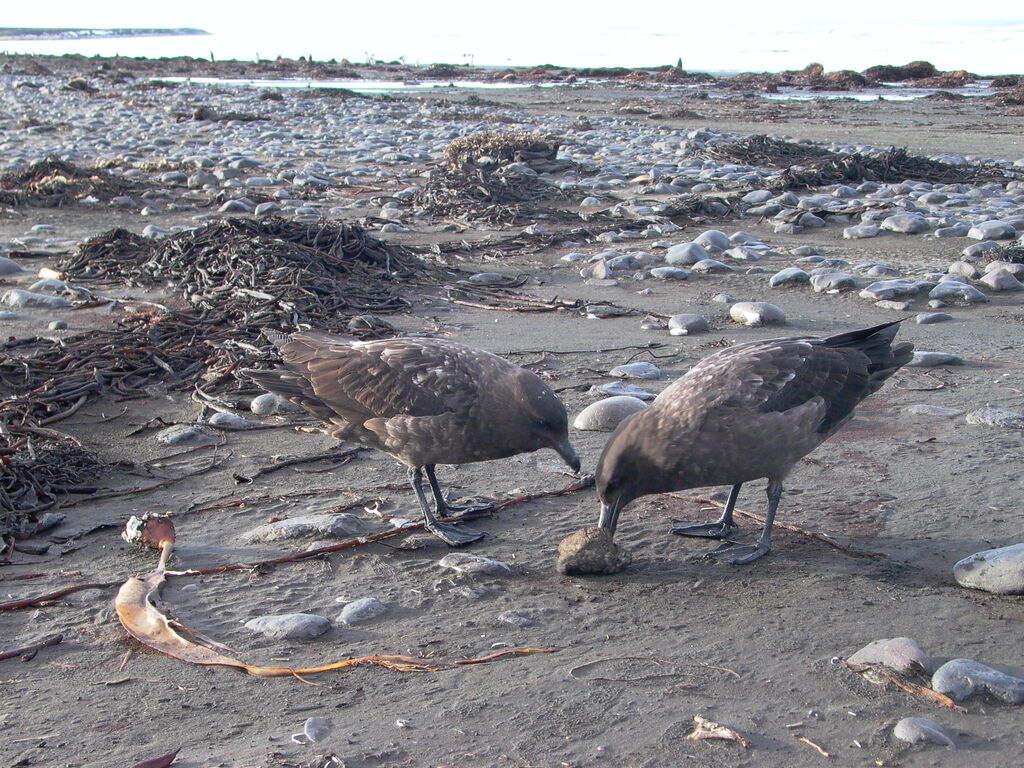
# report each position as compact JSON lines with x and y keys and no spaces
{"x":464,"y":510}
{"x":715,"y":530}
{"x":739,"y":554}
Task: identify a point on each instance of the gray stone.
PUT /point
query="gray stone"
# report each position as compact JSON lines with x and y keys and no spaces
{"x":955,"y":230}
{"x":605,"y":415}
{"x":957,"y":292}
{"x":896,"y":306}
{"x":641,"y":370}
{"x":686,"y":253}
{"x":230,"y":420}
{"x":710,"y":267}
{"x":996,"y":417}
{"x":1017,"y":270}
{"x":743,"y":253}
{"x":832,"y":281}
{"x":56,"y":325}
{"x":268,"y":404}
{"x":178,"y":434}
{"x":236,"y":206}
{"x":1001,"y":280}
{"x":50,"y":285}
{"x":487,"y":278}
{"x":965,"y":268}
{"x":1000,"y":571}
{"x":756,"y":313}
{"x":622,"y":389}
{"x":811,"y":221}
{"x":992,"y":230}
{"x":9,"y":267}
{"x":19,"y":298}
{"x":291,"y":626}
{"x":713,"y":239}
{"x":902,"y":654}
{"x":789,"y":276}
{"x":685,"y":324}
{"x":960,"y":679}
{"x":894,"y":289}
{"x":920,"y":409}
{"x":907,"y":223}
{"x":670,"y":273}
{"x":922,"y":359}
{"x":475,"y":565}
{"x":363,"y":609}
{"x":266,"y":209}
{"x":316,"y":728}
{"x":976,"y":251}
{"x":6,"y":314}
{"x":337,"y":525}
{"x":917,"y":729}
{"x":929,"y":318}
{"x":516,"y":618}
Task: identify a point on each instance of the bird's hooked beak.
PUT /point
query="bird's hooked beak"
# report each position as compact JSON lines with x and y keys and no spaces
{"x":609,"y":514}
{"x":568,"y":454}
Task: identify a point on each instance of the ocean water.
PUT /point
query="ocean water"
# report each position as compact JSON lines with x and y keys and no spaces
{"x":759,"y":43}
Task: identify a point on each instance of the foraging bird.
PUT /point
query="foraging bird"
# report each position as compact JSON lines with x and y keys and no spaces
{"x":750,"y":411}
{"x":424,"y":402}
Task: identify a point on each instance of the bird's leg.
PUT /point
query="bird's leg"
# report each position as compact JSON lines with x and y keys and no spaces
{"x":716,"y":530}
{"x":748,"y":553}
{"x":445,"y":509}
{"x":451,"y":535}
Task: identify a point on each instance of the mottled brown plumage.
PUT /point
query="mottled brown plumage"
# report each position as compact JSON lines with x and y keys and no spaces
{"x":423,"y":401}
{"x":750,"y":411}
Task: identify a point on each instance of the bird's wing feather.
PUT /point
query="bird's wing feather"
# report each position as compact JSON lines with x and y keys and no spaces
{"x":774,"y":376}
{"x":385,"y":378}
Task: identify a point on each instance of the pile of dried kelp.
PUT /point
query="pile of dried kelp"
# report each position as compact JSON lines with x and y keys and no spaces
{"x":497,"y":197}
{"x":52,"y":183}
{"x":45,"y":381}
{"x":893,"y":165}
{"x":764,"y":151}
{"x":256,"y":273}
{"x":808,"y":165}
{"x":497,"y":147}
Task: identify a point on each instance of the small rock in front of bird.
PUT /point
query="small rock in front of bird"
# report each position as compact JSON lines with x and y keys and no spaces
{"x":960,"y":679}
{"x":605,"y":415}
{"x":474,"y":565}
{"x":591,"y":550}
{"x":1000,"y":571}
{"x":363,"y":609}
{"x":917,"y":729}
{"x":756,"y":313}
{"x":902,"y":654}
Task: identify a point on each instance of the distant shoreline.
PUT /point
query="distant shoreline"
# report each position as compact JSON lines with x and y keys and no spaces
{"x":71,"y":33}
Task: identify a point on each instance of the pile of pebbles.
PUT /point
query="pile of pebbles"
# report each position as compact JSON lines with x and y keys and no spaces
{"x":959,"y":679}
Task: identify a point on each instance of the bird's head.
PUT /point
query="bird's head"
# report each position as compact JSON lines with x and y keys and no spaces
{"x":547,"y":421}
{"x":619,"y":477}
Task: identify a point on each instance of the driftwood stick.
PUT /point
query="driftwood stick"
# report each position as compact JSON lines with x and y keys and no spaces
{"x":30,"y":650}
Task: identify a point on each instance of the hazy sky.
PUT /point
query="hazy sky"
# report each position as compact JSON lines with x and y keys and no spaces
{"x":981,"y":36}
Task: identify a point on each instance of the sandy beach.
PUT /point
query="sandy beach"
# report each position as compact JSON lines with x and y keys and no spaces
{"x":883,"y":510}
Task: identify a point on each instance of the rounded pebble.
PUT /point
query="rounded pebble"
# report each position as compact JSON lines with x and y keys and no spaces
{"x":917,"y":729}
{"x":756,"y":313}
{"x":1000,"y":570}
{"x":605,"y":415}
{"x":291,"y":626}
{"x":363,"y":609}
